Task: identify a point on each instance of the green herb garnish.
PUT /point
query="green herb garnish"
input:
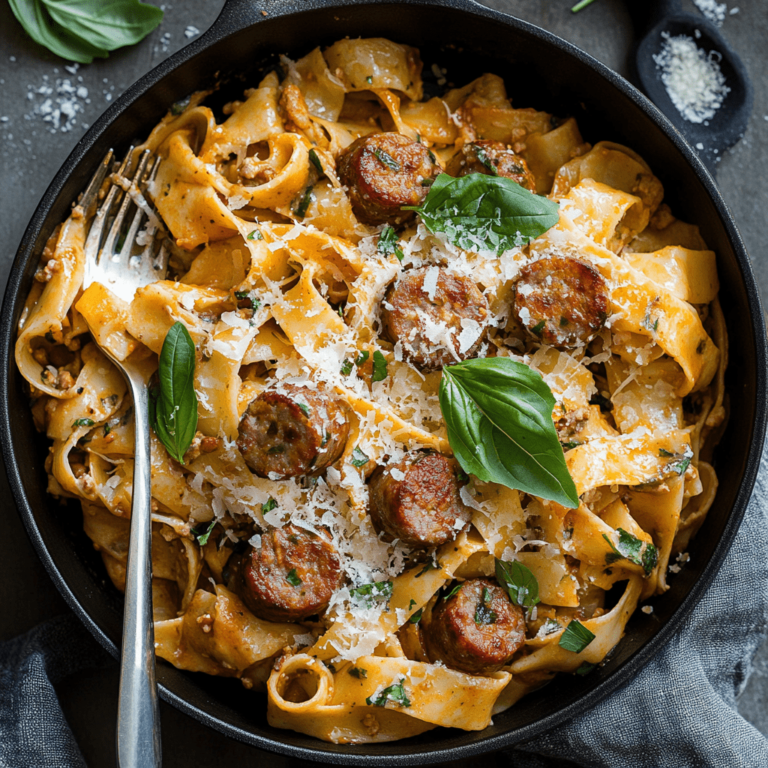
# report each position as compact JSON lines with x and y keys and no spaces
{"x":387,"y":244}
{"x":576,"y":637}
{"x":379,"y":367}
{"x":580,"y":5}
{"x":359,"y":459}
{"x":268,"y":506}
{"x":362,"y":358}
{"x":482,"y":156}
{"x":315,"y":160}
{"x":377,"y":590}
{"x":246,"y":296}
{"x":386,"y":159}
{"x":173,"y":405}
{"x":585,"y":668}
{"x":83,"y":423}
{"x":304,"y":408}
{"x":416,"y":618}
{"x":519,"y":582}
{"x":202,"y":534}
{"x":255,"y":234}
{"x":499,"y":418}
{"x":80,"y":30}
{"x":306,"y":199}
{"x":485,"y":213}
{"x":483,"y":613}
{"x":293,"y":578}
{"x":633,"y":549}
{"x":394,"y":692}
{"x":359,"y":673}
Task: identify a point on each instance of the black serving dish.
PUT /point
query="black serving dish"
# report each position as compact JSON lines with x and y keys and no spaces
{"x":541,"y":71}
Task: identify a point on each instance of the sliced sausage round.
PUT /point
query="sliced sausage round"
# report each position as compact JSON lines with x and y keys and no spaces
{"x":384,"y":171}
{"x":291,"y":431}
{"x":290,"y":576}
{"x":493,"y":159}
{"x":439,"y":318}
{"x":417,"y":500}
{"x":561,"y":301}
{"x":476,"y":630}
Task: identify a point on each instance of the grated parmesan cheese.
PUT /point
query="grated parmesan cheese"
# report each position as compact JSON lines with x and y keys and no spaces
{"x":692,"y":78}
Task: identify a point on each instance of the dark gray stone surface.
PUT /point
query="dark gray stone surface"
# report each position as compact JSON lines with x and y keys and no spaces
{"x":30,"y":154}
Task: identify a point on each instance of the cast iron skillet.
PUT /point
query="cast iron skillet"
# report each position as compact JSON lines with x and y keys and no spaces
{"x":541,"y":71}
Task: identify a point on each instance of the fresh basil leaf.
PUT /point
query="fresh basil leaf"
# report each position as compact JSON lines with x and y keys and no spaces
{"x":519,"y":582}
{"x":107,"y":24}
{"x":174,"y":411}
{"x":485,"y":213}
{"x":482,"y":156}
{"x":202,"y":534}
{"x":379,"y":367}
{"x":39,"y":25}
{"x":359,"y":673}
{"x":585,"y":668}
{"x":394,"y":692}
{"x":498,"y":413}
{"x":633,"y":549}
{"x":83,"y":423}
{"x":576,"y":637}
{"x":293,"y":578}
{"x":362,"y":358}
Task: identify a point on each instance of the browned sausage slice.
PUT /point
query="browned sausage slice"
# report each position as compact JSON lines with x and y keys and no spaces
{"x":476,"y":630}
{"x":493,"y":159}
{"x":417,"y":500}
{"x":384,"y":171}
{"x":292,"y":431}
{"x":290,"y":576}
{"x":438,"y":317}
{"x":561,"y":301}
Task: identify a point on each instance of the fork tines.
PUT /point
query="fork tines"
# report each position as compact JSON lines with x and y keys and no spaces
{"x":117,"y":252}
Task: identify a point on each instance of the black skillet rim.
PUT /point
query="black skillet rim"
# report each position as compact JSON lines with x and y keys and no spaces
{"x":229,"y":23}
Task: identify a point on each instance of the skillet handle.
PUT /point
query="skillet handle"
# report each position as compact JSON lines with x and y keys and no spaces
{"x":238,"y":14}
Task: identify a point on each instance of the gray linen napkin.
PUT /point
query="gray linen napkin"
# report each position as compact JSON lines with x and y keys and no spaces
{"x":679,"y":711}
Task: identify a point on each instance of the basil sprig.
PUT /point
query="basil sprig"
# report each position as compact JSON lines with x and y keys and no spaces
{"x":478,"y":212}
{"x":499,"y":418}
{"x":80,"y":30}
{"x":173,"y":405}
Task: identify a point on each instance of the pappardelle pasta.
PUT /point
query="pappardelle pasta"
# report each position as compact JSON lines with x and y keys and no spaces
{"x":396,"y":304}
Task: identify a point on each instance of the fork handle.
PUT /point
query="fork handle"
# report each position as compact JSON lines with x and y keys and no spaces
{"x":138,"y":721}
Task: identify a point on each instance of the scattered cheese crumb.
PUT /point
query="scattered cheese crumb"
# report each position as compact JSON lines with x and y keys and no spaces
{"x":191,"y":32}
{"x":712,"y":10}
{"x":647,"y":609}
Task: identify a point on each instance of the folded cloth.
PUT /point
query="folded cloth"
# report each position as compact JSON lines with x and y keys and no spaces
{"x":33,"y":730}
{"x":680,"y":710}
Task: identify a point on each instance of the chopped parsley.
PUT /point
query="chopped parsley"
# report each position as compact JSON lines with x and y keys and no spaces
{"x":293,"y":578}
{"x":315,"y":160}
{"x":386,"y":159}
{"x":368,"y":593}
{"x":268,"y":505}
{"x":346,"y":368}
{"x":304,"y":203}
{"x":83,"y":423}
{"x":428,"y":567}
{"x":483,"y":613}
{"x":576,"y":637}
{"x":246,"y":296}
{"x":394,"y":692}
{"x":482,"y":156}
{"x":379,"y":367}
{"x":362,"y":358}
{"x":359,"y":459}
{"x":387,"y":244}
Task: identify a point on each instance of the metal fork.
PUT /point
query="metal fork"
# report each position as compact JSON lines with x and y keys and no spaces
{"x":111,"y":259}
